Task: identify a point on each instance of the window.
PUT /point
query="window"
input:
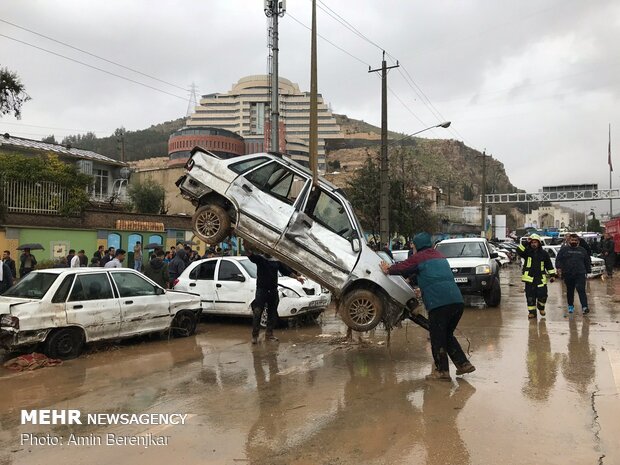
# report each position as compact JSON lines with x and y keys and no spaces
{"x":114,"y":240}
{"x":204,"y":271}
{"x":228,"y":271}
{"x":279,"y":181}
{"x":91,"y":287}
{"x":33,"y":286}
{"x":155,"y":239}
{"x":132,"y":285}
{"x":249,"y":266}
{"x":330,"y":213}
{"x":101,"y":183}
{"x":462,"y":249}
{"x":63,"y":290}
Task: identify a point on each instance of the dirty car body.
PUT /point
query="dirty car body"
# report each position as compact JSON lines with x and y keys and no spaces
{"x":65,"y":308}
{"x":271,"y":202}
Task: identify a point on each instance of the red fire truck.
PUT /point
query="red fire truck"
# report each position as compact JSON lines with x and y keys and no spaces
{"x":613,"y":227}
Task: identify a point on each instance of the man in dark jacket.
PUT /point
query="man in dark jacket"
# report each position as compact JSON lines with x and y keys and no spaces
{"x":267,"y":292}
{"x":177,"y":265}
{"x":157,"y":270}
{"x":6,"y":258}
{"x":536,"y":267}
{"x":609,"y":254}
{"x":27,"y":263}
{"x":573,"y":264}
{"x":443,"y":301}
{"x":108,"y":257}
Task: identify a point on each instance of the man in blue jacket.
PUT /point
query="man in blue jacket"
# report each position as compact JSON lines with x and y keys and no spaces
{"x":443,"y":301}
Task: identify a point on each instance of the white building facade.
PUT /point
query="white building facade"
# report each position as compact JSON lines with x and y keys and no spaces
{"x":547,"y":217}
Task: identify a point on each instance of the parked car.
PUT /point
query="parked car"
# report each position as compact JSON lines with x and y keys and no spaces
{"x":273,"y":204}
{"x":227,"y":286}
{"x":502,"y":256}
{"x":475,"y":269}
{"x":65,"y":308}
{"x":598,"y":264}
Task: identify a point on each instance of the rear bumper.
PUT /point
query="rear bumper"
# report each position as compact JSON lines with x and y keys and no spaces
{"x":191,"y":189}
{"x":13,"y":340}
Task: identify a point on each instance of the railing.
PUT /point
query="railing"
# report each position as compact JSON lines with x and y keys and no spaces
{"x":33,"y":197}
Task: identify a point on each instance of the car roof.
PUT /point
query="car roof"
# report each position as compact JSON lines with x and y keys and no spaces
{"x":463,"y":239}
{"x":79,"y":270}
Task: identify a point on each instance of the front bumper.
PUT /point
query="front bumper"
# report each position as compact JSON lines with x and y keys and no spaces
{"x":473,"y":283}
{"x":597,"y":271}
{"x":294,"y":306}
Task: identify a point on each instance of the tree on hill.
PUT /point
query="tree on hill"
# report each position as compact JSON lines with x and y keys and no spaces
{"x":12,"y":93}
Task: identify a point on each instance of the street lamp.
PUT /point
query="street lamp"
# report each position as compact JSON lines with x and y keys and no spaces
{"x":384,"y":199}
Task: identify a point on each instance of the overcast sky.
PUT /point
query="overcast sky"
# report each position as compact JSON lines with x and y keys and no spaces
{"x":535,"y":83}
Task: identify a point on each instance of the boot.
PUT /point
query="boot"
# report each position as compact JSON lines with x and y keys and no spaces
{"x":437,"y":375}
{"x":465,"y":368}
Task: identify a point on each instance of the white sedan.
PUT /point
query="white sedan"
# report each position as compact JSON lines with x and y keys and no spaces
{"x":227,"y":286}
{"x":598,"y":264}
{"x":64,"y":308}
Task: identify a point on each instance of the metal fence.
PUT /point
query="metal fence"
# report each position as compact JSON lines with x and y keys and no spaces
{"x":33,"y":196}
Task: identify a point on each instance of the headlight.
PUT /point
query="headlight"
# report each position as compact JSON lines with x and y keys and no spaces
{"x":9,"y":321}
{"x":286,"y":292}
{"x":483,"y":269}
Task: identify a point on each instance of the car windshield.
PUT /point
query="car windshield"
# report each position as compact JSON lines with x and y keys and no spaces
{"x":249,"y":266}
{"x":462,"y":249}
{"x":34,"y":286}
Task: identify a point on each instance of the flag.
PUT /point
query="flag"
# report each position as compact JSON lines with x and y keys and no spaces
{"x":609,"y":151}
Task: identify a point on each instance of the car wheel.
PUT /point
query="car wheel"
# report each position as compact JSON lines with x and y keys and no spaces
{"x":362,"y":310}
{"x":493,"y":296}
{"x":66,"y":343}
{"x":211,"y":223}
{"x":184,"y":324}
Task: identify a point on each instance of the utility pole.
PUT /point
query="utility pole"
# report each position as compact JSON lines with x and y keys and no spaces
{"x":314,"y":121}
{"x":611,"y":214}
{"x":275,"y":9}
{"x":384,"y":198}
{"x":121,"y":147}
{"x":483,"y":220}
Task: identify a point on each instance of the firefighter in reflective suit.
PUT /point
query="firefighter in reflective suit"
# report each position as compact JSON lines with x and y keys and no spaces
{"x":537,"y":270}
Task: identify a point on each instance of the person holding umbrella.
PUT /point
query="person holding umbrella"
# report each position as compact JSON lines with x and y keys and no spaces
{"x":27,"y":260}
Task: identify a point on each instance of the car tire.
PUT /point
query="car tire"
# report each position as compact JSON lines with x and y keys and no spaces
{"x":211,"y":223}
{"x":493,"y":296}
{"x":65,"y":343}
{"x":362,"y":310}
{"x":184,"y":324}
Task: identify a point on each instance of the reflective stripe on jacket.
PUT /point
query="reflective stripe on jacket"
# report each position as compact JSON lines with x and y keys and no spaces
{"x":537,"y":265}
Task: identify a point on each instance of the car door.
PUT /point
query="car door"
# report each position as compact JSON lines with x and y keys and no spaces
{"x":202,"y":281}
{"x":265,"y":197}
{"x":325,"y":230}
{"x":235,"y":291}
{"x":144,"y":306}
{"x":93,"y":306}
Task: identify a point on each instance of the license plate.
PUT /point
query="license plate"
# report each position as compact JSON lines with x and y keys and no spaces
{"x":460,"y":280}
{"x":316,"y":303}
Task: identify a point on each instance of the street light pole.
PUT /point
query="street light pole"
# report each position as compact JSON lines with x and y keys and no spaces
{"x":445,"y":124}
{"x":275,"y":9}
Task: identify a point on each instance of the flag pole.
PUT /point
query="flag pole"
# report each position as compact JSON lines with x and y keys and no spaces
{"x":610,"y":170}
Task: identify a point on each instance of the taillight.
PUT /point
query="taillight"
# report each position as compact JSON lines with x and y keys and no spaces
{"x":190,"y":164}
{"x":9,"y":321}
{"x":175,"y":282}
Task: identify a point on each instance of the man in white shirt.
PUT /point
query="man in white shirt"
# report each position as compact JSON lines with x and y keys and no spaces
{"x":76,"y":261}
{"x":117,"y":261}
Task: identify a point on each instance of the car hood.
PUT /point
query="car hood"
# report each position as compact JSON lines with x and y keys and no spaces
{"x":467,"y":262}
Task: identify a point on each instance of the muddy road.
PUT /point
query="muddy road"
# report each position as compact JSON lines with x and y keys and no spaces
{"x":544,"y":392}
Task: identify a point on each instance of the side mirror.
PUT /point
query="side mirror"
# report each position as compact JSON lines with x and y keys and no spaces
{"x":494,"y":255}
{"x":356,"y":244}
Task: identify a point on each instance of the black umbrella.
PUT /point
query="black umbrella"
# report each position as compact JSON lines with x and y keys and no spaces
{"x":33,"y":246}
{"x":187,"y":243}
{"x":154,"y":245}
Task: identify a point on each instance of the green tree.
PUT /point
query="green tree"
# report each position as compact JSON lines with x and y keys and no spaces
{"x":49,"y":139}
{"x":148,"y":197}
{"x":12,"y":93}
{"x":18,"y":167}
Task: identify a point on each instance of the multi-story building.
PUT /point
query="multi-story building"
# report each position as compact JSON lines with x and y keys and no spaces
{"x":245,"y":110}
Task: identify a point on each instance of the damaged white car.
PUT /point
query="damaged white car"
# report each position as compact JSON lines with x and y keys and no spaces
{"x":271,"y":202}
{"x":65,"y":308}
{"x":227,"y":286}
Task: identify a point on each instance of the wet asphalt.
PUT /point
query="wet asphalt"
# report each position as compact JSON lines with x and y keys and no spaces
{"x":545,"y":391}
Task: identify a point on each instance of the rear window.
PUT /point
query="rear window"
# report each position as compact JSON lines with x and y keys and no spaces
{"x":34,"y":286}
{"x":463,"y":249}
{"x":243,"y":166}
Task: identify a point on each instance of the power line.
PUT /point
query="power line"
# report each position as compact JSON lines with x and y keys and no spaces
{"x":52,"y":127}
{"x":93,"y":67}
{"x":327,"y":40}
{"x":92,"y":54}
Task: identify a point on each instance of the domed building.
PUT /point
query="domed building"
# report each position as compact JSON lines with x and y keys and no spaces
{"x":221,"y":142}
